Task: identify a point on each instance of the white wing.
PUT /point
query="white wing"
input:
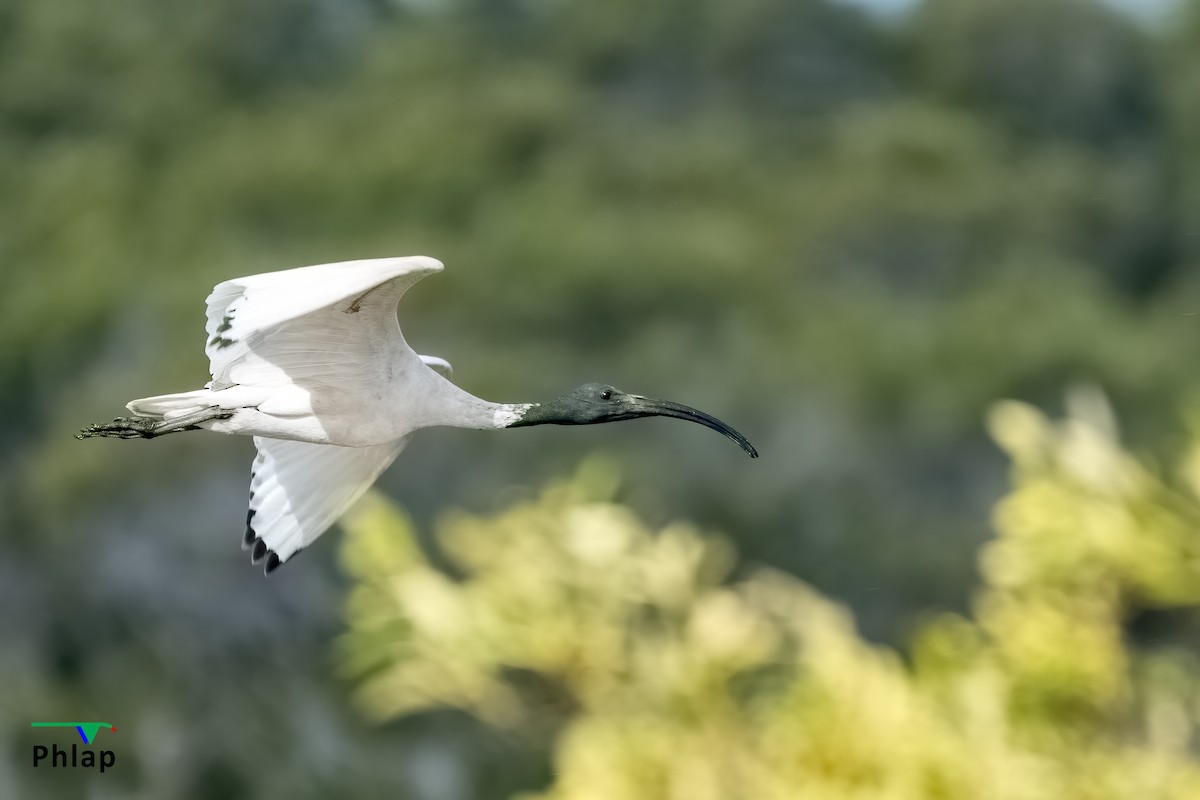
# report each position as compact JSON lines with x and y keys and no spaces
{"x":327,"y":332}
{"x":314,"y":323}
{"x":297,"y":490}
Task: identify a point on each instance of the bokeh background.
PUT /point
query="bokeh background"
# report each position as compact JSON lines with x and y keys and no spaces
{"x":850,"y":230}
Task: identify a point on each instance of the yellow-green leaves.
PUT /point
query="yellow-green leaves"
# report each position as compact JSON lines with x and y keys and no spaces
{"x":654,"y":674}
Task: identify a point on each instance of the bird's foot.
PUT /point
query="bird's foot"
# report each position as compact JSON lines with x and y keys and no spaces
{"x":148,"y":427}
{"x":122,"y":428}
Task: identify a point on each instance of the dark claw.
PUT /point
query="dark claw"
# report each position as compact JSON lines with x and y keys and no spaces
{"x":273,"y":563}
{"x":260,"y":550}
{"x":121,"y":428}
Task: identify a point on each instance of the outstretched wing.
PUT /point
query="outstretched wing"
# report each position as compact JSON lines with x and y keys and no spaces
{"x":311,"y":322}
{"x":297,"y":490}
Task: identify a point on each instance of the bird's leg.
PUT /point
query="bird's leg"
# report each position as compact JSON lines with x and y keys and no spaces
{"x":148,"y":428}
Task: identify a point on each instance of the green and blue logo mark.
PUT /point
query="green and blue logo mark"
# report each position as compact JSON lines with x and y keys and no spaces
{"x":87,"y":730}
{"x":74,"y":758}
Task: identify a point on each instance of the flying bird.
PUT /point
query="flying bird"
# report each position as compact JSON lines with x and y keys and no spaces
{"x":311,"y":363}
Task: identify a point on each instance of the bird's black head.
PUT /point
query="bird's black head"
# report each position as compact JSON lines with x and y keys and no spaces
{"x":598,"y":402}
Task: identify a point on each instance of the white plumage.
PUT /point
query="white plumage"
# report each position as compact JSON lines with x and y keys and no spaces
{"x":311,"y":363}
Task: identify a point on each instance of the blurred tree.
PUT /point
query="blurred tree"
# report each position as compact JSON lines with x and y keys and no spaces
{"x":849,"y":235}
{"x":653,"y":677}
{"x":1072,"y":69}
{"x":1076,"y":73}
{"x":1180,"y":66}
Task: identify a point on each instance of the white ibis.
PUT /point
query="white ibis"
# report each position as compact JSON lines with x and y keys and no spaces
{"x":311,"y":363}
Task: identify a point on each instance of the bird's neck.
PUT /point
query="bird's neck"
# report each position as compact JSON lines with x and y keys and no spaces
{"x":460,"y":409}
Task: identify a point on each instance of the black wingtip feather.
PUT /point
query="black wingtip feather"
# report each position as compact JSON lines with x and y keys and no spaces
{"x":249,"y":536}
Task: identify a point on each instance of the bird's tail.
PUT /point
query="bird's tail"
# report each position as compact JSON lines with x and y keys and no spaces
{"x":167,"y":406}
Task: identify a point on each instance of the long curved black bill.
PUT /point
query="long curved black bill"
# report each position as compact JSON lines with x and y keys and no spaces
{"x":651,"y":407}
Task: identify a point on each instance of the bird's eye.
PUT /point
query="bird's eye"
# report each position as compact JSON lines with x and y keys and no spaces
{"x":606,"y":394}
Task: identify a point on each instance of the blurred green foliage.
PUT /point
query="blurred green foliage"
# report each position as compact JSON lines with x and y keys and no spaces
{"x":787,"y":212}
{"x":653,"y":675}
{"x":846,"y":235}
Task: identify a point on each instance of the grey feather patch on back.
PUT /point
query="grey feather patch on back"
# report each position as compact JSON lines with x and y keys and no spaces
{"x":439,"y":365}
{"x":221,"y":342}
